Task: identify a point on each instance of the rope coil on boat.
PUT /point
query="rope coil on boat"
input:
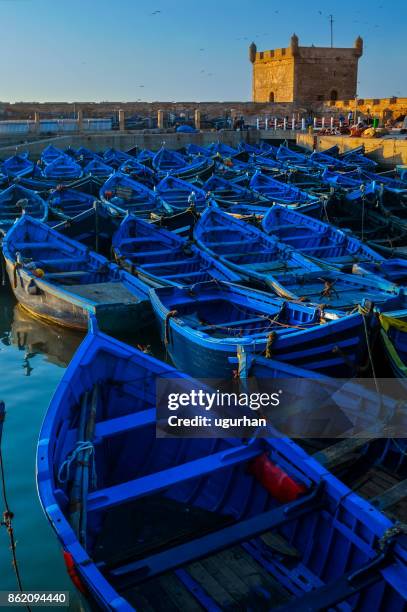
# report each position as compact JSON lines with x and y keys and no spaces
{"x":64,"y":472}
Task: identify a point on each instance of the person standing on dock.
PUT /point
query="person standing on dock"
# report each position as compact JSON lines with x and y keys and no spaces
{"x":350,"y":118}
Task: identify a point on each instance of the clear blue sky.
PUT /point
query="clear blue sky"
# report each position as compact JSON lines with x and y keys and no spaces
{"x":80,"y":50}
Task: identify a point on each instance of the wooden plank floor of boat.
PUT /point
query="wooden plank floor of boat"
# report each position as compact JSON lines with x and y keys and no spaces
{"x":385,"y":489}
{"x":104,"y":293}
{"x":232,"y":578}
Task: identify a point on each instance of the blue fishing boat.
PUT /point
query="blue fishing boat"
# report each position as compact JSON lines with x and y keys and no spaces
{"x":334,"y":409}
{"x":342,"y":180}
{"x":390,"y":184}
{"x":139,"y":172}
{"x":89,"y":184}
{"x":394,"y":270}
{"x":121,"y":195}
{"x":364,"y":194}
{"x":361,"y":161}
{"x":290,"y":157}
{"x":248,"y":250}
{"x":333,"y":163}
{"x":234,"y":168}
{"x":227,"y":193}
{"x":283,"y":193}
{"x":60,"y":280}
{"x":385,"y":233}
{"x":115,"y":158}
{"x":165,"y":161}
{"x":222,"y":150}
{"x":160,"y":257}
{"x":17,"y":165}
{"x":202,"y":327}
{"x":243,"y":519}
{"x":262,"y":259}
{"x":63,"y":168}
{"x":194,"y":149}
{"x":66,"y":203}
{"x":263,"y":148}
{"x":195,"y":170}
{"x":17,"y":200}
{"x":334,"y":151}
{"x":39,"y":184}
{"x":93,"y":227}
{"x":315,"y":239}
{"x":50,"y":154}
{"x":267,"y":165}
{"x":96,"y":167}
{"x":179,"y":194}
{"x":352,"y":184}
{"x":145,"y":157}
{"x":181,"y":223}
{"x":84,"y":156}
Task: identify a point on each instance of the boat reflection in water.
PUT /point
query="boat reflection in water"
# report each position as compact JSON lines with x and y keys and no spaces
{"x":6,"y":314}
{"x":37,"y":337}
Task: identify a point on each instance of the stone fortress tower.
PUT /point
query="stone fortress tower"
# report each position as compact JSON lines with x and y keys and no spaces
{"x":305,"y":74}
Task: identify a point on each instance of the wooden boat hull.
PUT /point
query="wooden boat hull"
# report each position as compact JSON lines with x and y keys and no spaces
{"x":316,"y":239}
{"x":249,"y":251}
{"x":94,"y":228}
{"x":36,"y":337}
{"x":336,"y":348}
{"x":59,"y":280}
{"x":160,"y":258}
{"x":225,"y":527}
{"x":201,"y":169}
{"x":69,"y":310}
{"x":16,"y":201}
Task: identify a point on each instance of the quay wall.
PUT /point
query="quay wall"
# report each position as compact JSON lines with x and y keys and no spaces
{"x":387,"y":152}
{"x":126,"y":140}
{"x":382,"y":107}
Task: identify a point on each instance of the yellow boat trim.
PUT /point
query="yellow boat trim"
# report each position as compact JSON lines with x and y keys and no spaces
{"x":387,"y":322}
{"x":393,"y":354}
{"x":49,"y":319}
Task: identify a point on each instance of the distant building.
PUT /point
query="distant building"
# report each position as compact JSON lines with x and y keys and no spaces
{"x":305,"y":74}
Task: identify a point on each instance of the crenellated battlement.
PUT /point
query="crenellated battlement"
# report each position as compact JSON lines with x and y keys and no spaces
{"x":306,"y":74}
{"x":273,"y":54}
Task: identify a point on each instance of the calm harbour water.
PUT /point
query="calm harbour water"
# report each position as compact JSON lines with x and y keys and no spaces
{"x":33,"y":357}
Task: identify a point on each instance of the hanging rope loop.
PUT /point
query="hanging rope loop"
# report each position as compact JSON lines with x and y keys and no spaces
{"x":64,"y":472}
{"x":170,"y":315}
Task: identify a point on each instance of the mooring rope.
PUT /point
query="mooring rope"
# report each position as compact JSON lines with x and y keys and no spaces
{"x":369,"y":351}
{"x":8,"y":515}
{"x":64,"y":472}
